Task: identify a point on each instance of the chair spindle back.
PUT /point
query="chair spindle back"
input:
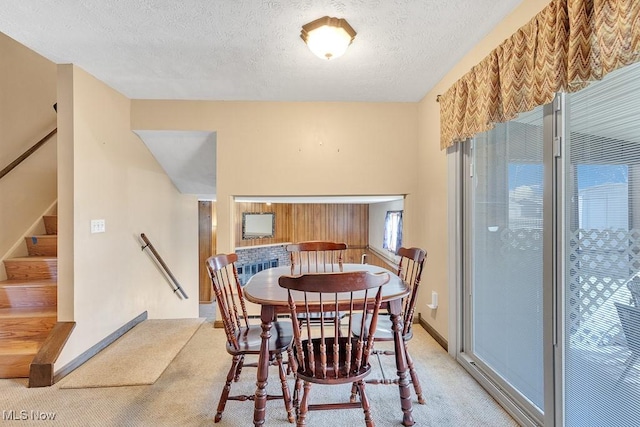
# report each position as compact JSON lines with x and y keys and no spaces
{"x":339,"y":356}
{"x":229,"y":295}
{"x":316,"y":257}
{"x":410,"y":270}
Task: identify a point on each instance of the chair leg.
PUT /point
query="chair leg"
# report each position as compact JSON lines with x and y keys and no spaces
{"x":304,"y":406}
{"x":354,"y":392}
{"x":296,"y":395}
{"x":414,"y":376}
{"x":366,"y":407}
{"x":292,"y":365}
{"x":239,"y":369}
{"x":227,"y":387}
{"x":285,"y":388}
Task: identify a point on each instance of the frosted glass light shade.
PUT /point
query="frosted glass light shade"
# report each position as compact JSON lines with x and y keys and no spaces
{"x":328,"y":38}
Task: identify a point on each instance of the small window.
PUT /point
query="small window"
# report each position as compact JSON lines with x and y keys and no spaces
{"x":392,"y":231}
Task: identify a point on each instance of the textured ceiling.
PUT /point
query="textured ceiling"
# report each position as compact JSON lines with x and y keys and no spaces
{"x":251,"y":49}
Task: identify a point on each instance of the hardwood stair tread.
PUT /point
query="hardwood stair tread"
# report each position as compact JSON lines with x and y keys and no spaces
{"x":19,"y":347}
{"x":23,"y":312}
{"x":27,"y":283}
{"x":33,"y":267}
{"x":15,"y":365}
{"x":32,"y":258}
{"x":22,"y":292}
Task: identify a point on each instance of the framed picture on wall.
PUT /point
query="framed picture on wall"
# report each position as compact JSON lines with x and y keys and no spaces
{"x":258,"y":225}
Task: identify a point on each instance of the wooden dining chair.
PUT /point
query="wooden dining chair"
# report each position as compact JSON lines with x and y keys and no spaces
{"x":242,"y":338}
{"x":324,"y":355}
{"x":410,"y":271}
{"x":316,"y":256}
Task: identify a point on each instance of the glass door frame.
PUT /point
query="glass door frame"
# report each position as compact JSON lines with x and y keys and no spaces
{"x":461,"y":283}
{"x":556,"y":177}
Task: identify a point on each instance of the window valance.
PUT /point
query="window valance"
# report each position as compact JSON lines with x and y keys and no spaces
{"x":564,"y":47}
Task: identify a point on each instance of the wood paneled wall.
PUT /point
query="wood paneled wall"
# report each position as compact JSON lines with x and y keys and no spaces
{"x":283,"y":223}
{"x":348,"y":223}
{"x":339,"y":222}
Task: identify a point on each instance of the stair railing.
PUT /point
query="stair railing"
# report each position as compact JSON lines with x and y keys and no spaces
{"x":27,"y":153}
{"x":175,"y":285}
{"x":11,"y":166}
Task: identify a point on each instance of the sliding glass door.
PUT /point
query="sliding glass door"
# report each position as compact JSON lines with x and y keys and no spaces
{"x":602,"y":253}
{"x":551,"y":258}
{"x":504,"y":289}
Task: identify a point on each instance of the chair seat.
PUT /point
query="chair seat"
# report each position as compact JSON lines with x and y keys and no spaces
{"x":249,"y":340}
{"x":384,"y":331}
{"x":306,"y":374}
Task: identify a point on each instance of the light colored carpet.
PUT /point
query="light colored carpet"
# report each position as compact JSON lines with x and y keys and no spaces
{"x":187,"y":393}
{"x":138,"y":357}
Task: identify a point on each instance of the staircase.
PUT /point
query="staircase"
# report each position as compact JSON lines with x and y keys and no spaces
{"x":28,"y":302}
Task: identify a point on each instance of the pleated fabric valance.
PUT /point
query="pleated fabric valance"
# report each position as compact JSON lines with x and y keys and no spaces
{"x":564,"y":47}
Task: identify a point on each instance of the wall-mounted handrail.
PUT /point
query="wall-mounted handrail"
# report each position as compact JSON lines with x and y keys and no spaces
{"x":27,"y":153}
{"x":177,"y":287}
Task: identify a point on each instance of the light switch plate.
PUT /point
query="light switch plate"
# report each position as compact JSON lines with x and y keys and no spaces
{"x":97,"y":226}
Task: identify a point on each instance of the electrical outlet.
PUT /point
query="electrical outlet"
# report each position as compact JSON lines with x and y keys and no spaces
{"x":97,"y":226}
{"x":434,"y":301}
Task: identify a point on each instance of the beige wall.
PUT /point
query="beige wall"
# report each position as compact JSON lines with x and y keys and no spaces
{"x":432,"y":197}
{"x":106,"y":172}
{"x":282,"y":148}
{"x":28,"y":83}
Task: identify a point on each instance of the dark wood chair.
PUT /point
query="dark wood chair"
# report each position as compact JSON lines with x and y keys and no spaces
{"x":244,"y":339}
{"x":324,"y":355}
{"x":316,"y":256}
{"x":410,"y":270}
{"x":630,"y":321}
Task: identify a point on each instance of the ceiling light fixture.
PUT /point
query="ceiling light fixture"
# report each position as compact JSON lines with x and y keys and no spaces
{"x":328,"y":38}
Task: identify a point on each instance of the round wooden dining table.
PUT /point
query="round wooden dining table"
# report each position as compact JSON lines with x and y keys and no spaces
{"x":263,"y":289}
